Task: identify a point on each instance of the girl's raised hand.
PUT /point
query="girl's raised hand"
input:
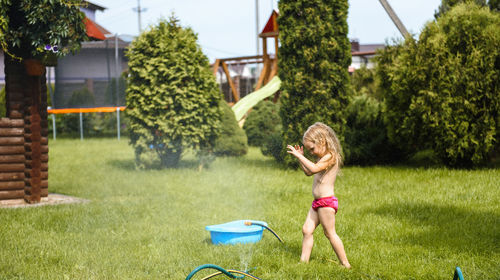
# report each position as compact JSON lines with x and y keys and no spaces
{"x":297,"y":150}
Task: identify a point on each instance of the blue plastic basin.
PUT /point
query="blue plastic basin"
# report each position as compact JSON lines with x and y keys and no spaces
{"x":236,"y":232}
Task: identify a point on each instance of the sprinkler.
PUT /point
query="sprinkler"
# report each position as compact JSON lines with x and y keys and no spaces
{"x":231,"y":273}
{"x":249,"y":223}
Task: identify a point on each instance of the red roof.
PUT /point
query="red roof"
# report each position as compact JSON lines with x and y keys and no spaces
{"x":271,"y":25}
{"x":92,"y":30}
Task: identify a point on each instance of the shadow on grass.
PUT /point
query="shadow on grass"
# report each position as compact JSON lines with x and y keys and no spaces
{"x":190,"y":163}
{"x":129,"y":165}
{"x":265,"y":162}
{"x":122,"y":164}
{"x":453,"y":227}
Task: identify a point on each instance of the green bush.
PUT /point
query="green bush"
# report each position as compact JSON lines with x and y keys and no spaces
{"x":274,"y":146}
{"x":94,"y":124}
{"x":82,"y":98}
{"x":366,"y":140}
{"x":172,"y":95}
{"x":443,"y":92}
{"x":262,"y":121}
{"x":232,"y":140}
{"x":315,"y":54}
{"x":364,"y":81}
{"x":446,"y":5}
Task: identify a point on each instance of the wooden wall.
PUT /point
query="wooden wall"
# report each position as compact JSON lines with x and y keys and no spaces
{"x":23,"y":135}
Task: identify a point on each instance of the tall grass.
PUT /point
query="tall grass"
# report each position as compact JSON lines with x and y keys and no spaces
{"x":395,"y":222}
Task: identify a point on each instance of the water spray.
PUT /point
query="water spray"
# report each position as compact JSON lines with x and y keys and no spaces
{"x":249,"y":223}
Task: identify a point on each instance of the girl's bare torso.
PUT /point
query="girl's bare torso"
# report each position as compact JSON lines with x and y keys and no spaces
{"x":324,"y":182}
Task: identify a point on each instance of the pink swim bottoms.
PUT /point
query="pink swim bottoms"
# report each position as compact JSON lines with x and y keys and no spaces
{"x":330,"y":201}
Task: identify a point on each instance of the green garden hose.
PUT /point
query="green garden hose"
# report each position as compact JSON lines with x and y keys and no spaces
{"x":249,"y":223}
{"x":228,"y":272}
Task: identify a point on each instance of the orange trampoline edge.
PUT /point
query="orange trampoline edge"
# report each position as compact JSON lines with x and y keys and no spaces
{"x":85,"y":110}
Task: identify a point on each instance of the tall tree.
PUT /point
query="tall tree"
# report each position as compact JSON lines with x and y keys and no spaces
{"x":172,"y":96}
{"x":315,"y":54}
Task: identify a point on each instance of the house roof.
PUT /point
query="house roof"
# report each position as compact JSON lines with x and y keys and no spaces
{"x":363,"y":50}
{"x":93,"y":31}
{"x":370,"y":47}
{"x":108,"y":43}
{"x":102,"y":29}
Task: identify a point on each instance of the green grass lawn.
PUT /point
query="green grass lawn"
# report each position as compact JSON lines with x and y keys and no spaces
{"x":395,"y":222}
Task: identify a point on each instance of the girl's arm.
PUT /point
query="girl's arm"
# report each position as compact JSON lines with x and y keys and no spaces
{"x":300,"y":150}
{"x":308,"y":166}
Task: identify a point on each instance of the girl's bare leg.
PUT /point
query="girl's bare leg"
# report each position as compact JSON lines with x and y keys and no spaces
{"x":312,"y":221}
{"x":327,"y":220}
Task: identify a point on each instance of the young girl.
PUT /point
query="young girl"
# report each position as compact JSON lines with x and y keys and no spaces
{"x":322,"y":143}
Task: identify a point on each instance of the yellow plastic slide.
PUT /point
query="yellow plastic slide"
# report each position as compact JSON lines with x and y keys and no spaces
{"x":250,"y":100}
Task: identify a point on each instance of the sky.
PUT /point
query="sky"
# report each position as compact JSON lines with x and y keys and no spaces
{"x":227,"y":28}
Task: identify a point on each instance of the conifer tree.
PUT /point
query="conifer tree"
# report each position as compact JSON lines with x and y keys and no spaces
{"x":314,"y":57}
{"x":172,"y":96}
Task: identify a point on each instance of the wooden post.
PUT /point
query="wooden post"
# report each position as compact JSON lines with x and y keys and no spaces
{"x":216,"y":66}
{"x":12,"y":150}
{"x":236,"y":95}
{"x":265,"y":69}
{"x":33,"y":138}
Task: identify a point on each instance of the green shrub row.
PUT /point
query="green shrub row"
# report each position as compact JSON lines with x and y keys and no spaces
{"x":442,"y":92}
{"x":94,"y":124}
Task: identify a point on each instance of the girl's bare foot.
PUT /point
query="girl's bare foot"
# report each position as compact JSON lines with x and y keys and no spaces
{"x":346,"y":265}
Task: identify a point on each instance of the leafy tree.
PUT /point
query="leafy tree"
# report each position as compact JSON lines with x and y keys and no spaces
{"x":27,"y":26}
{"x":443,"y":91}
{"x":314,"y":57}
{"x":172,"y":96}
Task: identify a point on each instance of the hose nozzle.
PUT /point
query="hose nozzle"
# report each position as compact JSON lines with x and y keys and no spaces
{"x":249,"y":223}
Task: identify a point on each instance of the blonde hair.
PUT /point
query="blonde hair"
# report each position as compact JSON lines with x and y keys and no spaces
{"x":322,"y":134}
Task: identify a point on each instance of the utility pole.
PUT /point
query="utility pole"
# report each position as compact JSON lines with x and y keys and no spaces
{"x":257,"y":25}
{"x":394,"y":18}
{"x":139,"y":10}
{"x":257,"y":39}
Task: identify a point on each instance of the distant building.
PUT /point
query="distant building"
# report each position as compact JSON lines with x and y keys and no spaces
{"x":362,"y":55}
{"x":94,"y":69}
